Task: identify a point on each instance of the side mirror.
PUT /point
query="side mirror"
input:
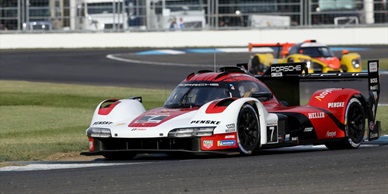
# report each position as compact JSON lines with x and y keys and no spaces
{"x":138,"y":98}
{"x":262,"y":96}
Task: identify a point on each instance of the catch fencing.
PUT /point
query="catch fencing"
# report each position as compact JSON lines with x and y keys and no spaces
{"x":187,"y":15}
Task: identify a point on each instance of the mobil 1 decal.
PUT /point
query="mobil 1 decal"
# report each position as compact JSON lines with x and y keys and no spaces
{"x":374,"y":78}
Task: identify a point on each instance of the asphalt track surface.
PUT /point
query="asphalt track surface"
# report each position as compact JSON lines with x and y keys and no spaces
{"x":363,"y":170}
{"x":287,"y":170}
{"x":93,"y":67}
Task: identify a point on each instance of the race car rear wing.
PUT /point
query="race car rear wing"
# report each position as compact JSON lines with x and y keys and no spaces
{"x":281,"y":48}
{"x":284,"y":81}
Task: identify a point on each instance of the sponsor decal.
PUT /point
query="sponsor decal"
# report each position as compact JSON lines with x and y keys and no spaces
{"x":102,"y":123}
{"x":272,"y":123}
{"x":152,"y":119}
{"x":316,"y":115}
{"x":210,"y":122}
{"x":286,"y":68}
{"x":287,"y":137}
{"x":230,"y":136}
{"x":323,"y":94}
{"x":308,"y":129}
{"x":374,"y":87}
{"x":230,"y":126}
{"x":335,"y":104}
{"x":373,"y":135}
{"x":138,"y":129}
{"x":230,"y":130}
{"x":331,"y":133}
{"x":280,"y":74}
{"x":371,"y":125}
{"x":207,"y":143}
{"x":232,"y":87}
{"x":226,"y":143}
{"x":374,"y":80}
{"x":373,"y":67}
{"x":199,"y":84}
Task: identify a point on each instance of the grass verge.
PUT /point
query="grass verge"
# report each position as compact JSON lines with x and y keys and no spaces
{"x":40,"y":121}
{"x":383,"y":64}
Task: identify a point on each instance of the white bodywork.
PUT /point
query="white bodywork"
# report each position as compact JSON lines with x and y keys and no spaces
{"x":127,"y":110}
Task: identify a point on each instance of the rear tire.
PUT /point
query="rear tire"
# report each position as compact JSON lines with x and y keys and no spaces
{"x":119,"y":156}
{"x":354,"y":127}
{"x":248,"y":126}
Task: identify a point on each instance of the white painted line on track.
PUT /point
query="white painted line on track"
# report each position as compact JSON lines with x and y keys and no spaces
{"x":51,"y":166}
{"x":173,"y":52}
{"x":64,"y":165}
{"x":161,"y":52}
{"x":114,"y":57}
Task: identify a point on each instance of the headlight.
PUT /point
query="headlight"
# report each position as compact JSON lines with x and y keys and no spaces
{"x":191,"y":132}
{"x":356,"y":63}
{"x":98,"y":132}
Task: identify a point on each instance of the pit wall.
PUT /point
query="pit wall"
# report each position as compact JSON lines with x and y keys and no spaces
{"x":237,"y":38}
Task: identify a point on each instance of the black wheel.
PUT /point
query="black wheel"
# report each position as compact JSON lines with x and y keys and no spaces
{"x":119,"y":156}
{"x":317,"y":68}
{"x":255,"y":65}
{"x":344,"y":68}
{"x":354,"y":128}
{"x":248,"y":130}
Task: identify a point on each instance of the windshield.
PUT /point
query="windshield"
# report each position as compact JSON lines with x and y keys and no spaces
{"x":188,"y":95}
{"x":317,"y":52}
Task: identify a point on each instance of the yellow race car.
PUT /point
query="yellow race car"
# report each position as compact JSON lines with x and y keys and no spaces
{"x":318,"y":57}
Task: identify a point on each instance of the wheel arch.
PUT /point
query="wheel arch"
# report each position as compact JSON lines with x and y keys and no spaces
{"x":335,"y":100}
{"x":230,"y":113}
{"x":115,"y":110}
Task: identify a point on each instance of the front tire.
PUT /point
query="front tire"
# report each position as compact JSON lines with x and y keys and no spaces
{"x":354,"y":127}
{"x":248,"y":130}
{"x":344,"y":68}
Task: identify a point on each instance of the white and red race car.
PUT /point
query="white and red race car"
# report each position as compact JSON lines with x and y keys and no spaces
{"x":232,"y":111}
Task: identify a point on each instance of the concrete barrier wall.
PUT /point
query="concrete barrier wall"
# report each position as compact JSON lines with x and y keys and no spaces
{"x":239,"y":38}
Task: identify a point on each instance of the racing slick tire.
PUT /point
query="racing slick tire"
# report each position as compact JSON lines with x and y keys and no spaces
{"x":119,"y":156}
{"x":248,"y":126}
{"x":354,"y":127}
{"x":344,"y":68}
